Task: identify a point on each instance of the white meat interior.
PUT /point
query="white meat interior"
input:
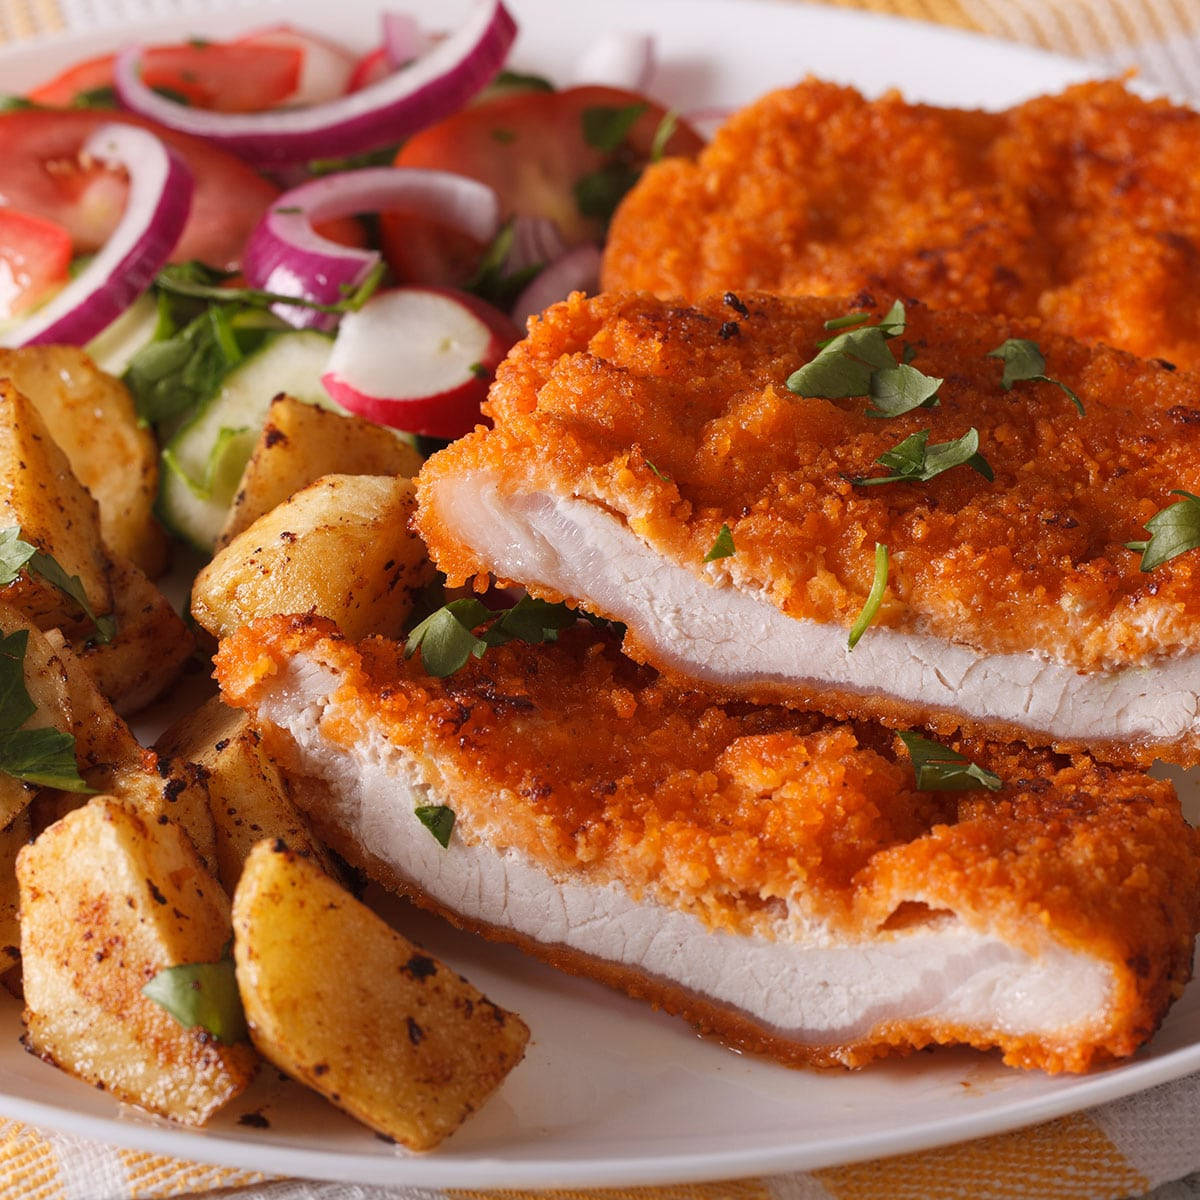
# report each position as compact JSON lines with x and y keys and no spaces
{"x":728,"y":636}
{"x":803,"y":982}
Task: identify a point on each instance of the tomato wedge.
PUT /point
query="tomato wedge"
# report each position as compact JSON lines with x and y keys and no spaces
{"x":223,"y":76}
{"x":545,"y":153}
{"x":35,"y":256}
{"x":40,"y":173}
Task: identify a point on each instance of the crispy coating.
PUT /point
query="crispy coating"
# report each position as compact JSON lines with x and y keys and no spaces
{"x":595,"y":767}
{"x":647,"y":408}
{"x":1081,"y":208}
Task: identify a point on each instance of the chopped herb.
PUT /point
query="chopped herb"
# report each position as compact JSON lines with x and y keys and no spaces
{"x":172,"y":94}
{"x":480,"y":371}
{"x":10,"y":103}
{"x":663,"y":134}
{"x":104,"y":96}
{"x":854,"y":318}
{"x":199,"y":43}
{"x":17,"y":555}
{"x":525,"y":82}
{"x":504,"y":136}
{"x":44,"y":757}
{"x":914,"y":460}
{"x":900,"y":389}
{"x":723,"y":547}
{"x":1174,"y":530}
{"x":940,"y":769}
{"x":383,"y":157}
{"x":894,"y":320}
{"x":288,"y":208}
{"x":1023,"y":360}
{"x":874,"y":597}
{"x":844,"y":365}
{"x":438,"y":819}
{"x":598,"y":193}
{"x":664,"y":478}
{"x":530,"y":620}
{"x":605,"y":126}
{"x":491,"y":281}
{"x":910,"y":352}
{"x":203,"y":995}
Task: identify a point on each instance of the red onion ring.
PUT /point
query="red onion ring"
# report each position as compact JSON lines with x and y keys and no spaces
{"x":403,"y":39}
{"x":285,"y":254}
{"x":156,"y":210}
{"x":537,"y":242}
{"x":620,"y":60}
{"x":431,"y":88}
{"x":576,"y":271}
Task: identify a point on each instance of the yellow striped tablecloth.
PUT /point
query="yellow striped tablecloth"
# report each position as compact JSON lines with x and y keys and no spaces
{"x":1126,"y":1149}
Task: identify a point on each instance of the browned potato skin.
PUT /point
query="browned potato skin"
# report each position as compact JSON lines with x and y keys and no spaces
{"x":108,"y":900}
{"x":91,"y":416}
{"x":343,"y":1003}
{"x":340,"y":548}
{"x":249,"y":798}
{"x":39,"y":493}
{"x":150,"y":648}
{"x":12,"y":838}
{"x":300,"y":443}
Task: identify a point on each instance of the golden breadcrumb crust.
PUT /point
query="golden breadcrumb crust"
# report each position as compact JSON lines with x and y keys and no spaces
{"x":647,"y":408}
{"x":1081,"y":208}
{"x":597,"y":768}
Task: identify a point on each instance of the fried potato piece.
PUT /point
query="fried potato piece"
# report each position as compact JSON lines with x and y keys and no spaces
{"x":39,"y":493}
{"x":93,"y":420}
{"x":107,"y":901}
{"x":150,"y":647}
{"x":249,"y":798}
{"x":341,"y":548}
{"x":339,"y":1000}
{"x":12,"y":838}
{"x":301,"y":442}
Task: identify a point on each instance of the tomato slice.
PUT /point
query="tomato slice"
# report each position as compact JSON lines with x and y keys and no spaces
{"x":222,"y":76}
{"x":40,"y":173}
{"x":35,"y":256}
{"x":325,"y":69}
{"x":532,"y":147}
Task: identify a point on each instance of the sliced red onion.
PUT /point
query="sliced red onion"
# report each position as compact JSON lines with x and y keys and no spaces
{"x":156,"y":210}
{"x":285,"y":254}
{"x":404,"y":40}
{"x":576,"y":271}
{"x":388,"y":111}
{"x":537,"y":242}
{"x":325,"y":68}
{"x":620,"y":60}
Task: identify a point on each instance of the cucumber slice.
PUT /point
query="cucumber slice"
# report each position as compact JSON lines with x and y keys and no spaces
{"x":204,"y":461}
{"x":113,"y":347}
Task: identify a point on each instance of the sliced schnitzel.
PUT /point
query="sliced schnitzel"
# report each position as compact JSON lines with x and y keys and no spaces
{"x":649,"y":463}
{"x":773,"y":876}
{"x":1082,"y":209}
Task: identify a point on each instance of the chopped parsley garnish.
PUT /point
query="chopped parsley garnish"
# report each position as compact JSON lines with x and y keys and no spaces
{"x":940,"y":769}
{"x":723,"y":547}
{"x":665,"y":478}
{"x":605,"y":126}
{"x":1174,"y":530}
{"x":914,"y":460}
{"x":598,"y":193}
{"x":518,"y":80}
{"x":900,"y":389}
{"x":45,"y":757}
{"x":663,"y":134}
{"x":1023,"y":360}
{"x":438,"y":819}
{"x":447,"y":638}
{"x":491,"y":281}
{"x":384,"y":156}
{"x":854,"y":318}
{"x":203,"y":995}
{"x":17,"y":555}
{"x":874,"y":597}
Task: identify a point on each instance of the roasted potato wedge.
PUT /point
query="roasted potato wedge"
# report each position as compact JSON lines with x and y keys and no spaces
{"x":248,"y":796}
{"x":340,"y":547}
{"x":12,"y":839}
{"x":40,"y":494}
{"x":301,"y":442}
{"x":92,"y":418}
{"x":340,"y":1001}
{"x":150,"y":648}
{"x":107,"y":901}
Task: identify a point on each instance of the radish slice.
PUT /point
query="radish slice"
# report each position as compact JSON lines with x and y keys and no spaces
{"x":576,"y":271}
{"x":620,"y":60}
{"x":156,"y":210}
{"x":325,"y":68}
{"x":286,"y":255}
{"x":388,"y":111}
{"x":419,"y":359}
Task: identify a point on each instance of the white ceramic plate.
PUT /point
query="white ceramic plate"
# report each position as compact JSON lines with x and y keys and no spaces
{"x":612,"y":1093}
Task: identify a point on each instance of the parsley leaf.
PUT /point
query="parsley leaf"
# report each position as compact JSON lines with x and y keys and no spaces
{"x":723,"y":547}
{"x":1023,"y":360}
{"x":874,"y":597}
{"x":438,"y":819}
{"x":663,"y":134}
{"x":914,"y":460}
{"x":520,"y":80}
{"x":605,"y":126}
{"x":854,"y":318}
{"x":940,"y":769}
{"x":530,"y":620}
{"x":598,"y":193}
{"x":491,"y":281}
{"x":44,"y":757}
{"x":17,"y":555}
{"x":900,"y":389}
{"x":1174,"y":530}
{"x":204,"y":995}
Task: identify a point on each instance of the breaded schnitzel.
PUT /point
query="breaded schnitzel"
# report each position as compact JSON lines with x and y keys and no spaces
{"x":1082,"y":209}
{"x":649,"y":462}
{"x":772,"y":875}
